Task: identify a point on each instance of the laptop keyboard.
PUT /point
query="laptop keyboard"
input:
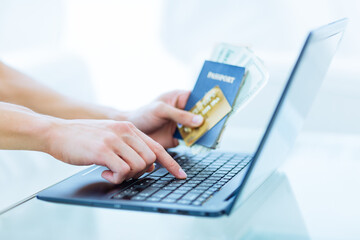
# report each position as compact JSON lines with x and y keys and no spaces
{"x":206,"y":174}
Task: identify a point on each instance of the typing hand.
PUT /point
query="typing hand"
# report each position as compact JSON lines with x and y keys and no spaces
{"x":120,"y":146}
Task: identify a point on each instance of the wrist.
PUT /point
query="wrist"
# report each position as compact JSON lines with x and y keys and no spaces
{"x":114,"y":114}
{"x":100,"y":112}
{"x":51,"y":130}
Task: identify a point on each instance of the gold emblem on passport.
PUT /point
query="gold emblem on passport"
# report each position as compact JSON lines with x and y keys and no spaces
{"x":213,"y":107}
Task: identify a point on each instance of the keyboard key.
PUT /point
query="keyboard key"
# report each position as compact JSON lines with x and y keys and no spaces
{"x":183,"y":158}
{"x":200,"y":179}
{"x":153,"y":199}
{"x":139,"y":198}
{"x":189,"y":184}
{"x":159,"y":173}
{"x":174,"y":196}
{"x":190,"y":196}
{"x":202,"y":198}
{"x":207,"y":162}
{"x":226,"y":168}
{"x":187,"y":165}
{"x":173,"y":184}
{"x":168,"y":178}
{"x":190,"y":175}
{"x":163,"y":181}
{"x":186,"y":188}
{"x":205,"y":184}
{"x":213,"y":189}
{"x":197,"y":191}
{"x":180,"y":191}
{"x":196,"y":203}
{"x":180,"y":181}
{"x":184,"y":201}
{"x":143,"y":183}
{"x":197,"y":158}
{"x":131,"y":191}
{"x":127,"y":194}
{"x":161,"y":193}
{"x":203,"y":175}
{"x":168,"y":200}
{"x":207,"y":193}
{"x":148,"y":191}
{"x":118,"y":196}
{"x":157,"y":185}
{"x":212,"y":169}
{"x":214,"y":178}
{"x":201,"y":188}
{"x":209,"y":181}
{"x":217,"y":175}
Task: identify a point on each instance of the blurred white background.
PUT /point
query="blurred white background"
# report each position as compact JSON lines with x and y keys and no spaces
{"x":130,"y":52}
{"x":125,"y":53}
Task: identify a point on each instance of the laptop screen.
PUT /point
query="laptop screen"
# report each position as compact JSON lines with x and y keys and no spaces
{"x":294,"y":104}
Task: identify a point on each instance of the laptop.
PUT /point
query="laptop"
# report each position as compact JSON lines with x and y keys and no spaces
{"x":217,"y":181}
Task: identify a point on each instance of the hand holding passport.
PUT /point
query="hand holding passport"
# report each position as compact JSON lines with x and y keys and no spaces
{"x":220,"y":90}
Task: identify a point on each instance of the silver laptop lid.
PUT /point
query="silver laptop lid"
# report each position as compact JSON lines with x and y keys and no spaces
{"x":293,"y":106}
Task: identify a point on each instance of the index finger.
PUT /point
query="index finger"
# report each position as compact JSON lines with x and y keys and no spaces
{"x":162,"y":156}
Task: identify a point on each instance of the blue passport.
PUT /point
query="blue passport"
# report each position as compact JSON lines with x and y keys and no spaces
{"x":229,"y":78}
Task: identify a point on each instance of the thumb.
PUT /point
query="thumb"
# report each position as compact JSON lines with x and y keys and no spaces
{"x":183,"y":117}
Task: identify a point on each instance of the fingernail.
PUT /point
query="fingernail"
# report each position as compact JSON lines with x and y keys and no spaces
{"x":197,"y":119}
{"x":182,"y":174}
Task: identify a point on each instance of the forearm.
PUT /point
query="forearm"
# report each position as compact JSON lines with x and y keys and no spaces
{"x":23,"y":129}
{"x":85,"y":142}
{"x":20,"y":89}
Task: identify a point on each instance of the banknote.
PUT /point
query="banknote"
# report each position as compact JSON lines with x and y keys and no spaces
{"x":256,"y":75}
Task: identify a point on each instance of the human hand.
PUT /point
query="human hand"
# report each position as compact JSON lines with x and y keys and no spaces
{"x":158,"y":119}
{"x":120,"y":146}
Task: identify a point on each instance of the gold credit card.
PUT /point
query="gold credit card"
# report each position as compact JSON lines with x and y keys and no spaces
{"x":213,"y":107}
